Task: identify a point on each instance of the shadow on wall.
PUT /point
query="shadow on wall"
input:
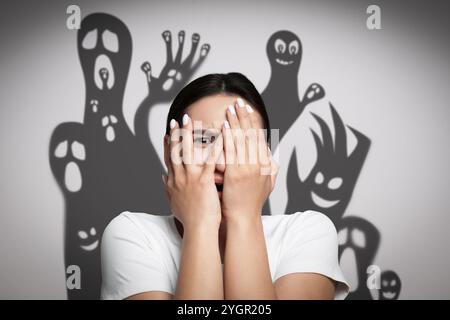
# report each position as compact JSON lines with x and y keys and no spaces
{"x":100,"y":166}
{"x":329,"y":186}
{"x":104,"y":169}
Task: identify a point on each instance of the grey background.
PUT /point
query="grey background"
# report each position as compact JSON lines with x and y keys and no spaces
{"x":391,"y":84}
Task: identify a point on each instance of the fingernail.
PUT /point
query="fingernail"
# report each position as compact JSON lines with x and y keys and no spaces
{"x":226,"y":125}
{"x":240,"y":102}
{"x":249,"y":109}
{"x":231,"y":109}
{"x":173,"y":123}
{"x":185,"y":119}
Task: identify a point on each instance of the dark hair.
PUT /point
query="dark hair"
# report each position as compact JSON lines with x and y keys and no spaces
{"x":216,"y":83}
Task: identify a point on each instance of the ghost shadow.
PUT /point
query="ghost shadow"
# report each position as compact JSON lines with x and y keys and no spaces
{"x":101,"y":167}
{"x":329,"y":186}
{"x":281,"y":96}
{"x":331,"y":182}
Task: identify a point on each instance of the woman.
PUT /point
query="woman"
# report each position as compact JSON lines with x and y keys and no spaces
{"x":216,"y":244}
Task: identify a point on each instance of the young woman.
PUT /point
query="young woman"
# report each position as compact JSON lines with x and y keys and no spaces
{"x":216,"y":244}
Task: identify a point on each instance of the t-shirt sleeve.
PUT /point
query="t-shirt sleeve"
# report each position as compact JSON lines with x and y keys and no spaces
{"x":130,"y":261}
{"x":311,"y":246}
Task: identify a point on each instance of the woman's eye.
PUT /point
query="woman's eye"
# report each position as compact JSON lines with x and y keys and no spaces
{"x":202,"y":140}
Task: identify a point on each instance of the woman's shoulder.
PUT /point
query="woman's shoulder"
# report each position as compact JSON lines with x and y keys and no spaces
{"x":310,"y":244}
{"x":312,"y":219}
{"x":302,"y":223}
{"x":131,"y":224}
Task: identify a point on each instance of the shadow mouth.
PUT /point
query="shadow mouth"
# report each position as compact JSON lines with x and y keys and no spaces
{"x":284,"y":62}
{"x":323,"y":203}
{"x":91,"y":246}
{"x":103,"y":72}
{"x":388,"y":295}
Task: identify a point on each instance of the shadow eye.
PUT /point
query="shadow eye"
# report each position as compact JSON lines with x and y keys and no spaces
{"x":93,"y":232}
{"x":335,"y":183}
{"x":384,"y":283}
{"x":359,"y":238}
{"x":78,"y":151}
{"x":90,"y":40}
{"x":342,"y":236}
{"x":294,"y":47}
{"x":61,"y":149}
{"x":280,"y":46}
{"x":393,"y":282}
{"x":319,"y":178}
{"x":110,"y":41}
{"x":82,"y":234}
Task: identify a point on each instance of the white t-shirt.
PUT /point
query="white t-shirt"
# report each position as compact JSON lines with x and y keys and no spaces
{"x":141,"y":252}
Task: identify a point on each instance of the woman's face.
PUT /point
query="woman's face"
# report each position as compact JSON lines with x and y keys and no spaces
{"x":210,"y":113}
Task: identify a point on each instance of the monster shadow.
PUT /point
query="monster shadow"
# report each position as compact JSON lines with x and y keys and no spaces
{"x":330,"y":184}
{"x":328,"y":189}
{"x":390,"y":285}
{"x":101,"y":167}
{"x":358,"y":241}
{"x":281,"y":97}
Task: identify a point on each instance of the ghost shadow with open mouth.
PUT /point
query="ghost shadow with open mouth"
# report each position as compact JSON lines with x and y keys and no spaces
{"x":101,"y":167}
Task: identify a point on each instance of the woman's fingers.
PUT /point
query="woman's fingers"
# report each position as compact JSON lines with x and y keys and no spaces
{"x":245,"y":126}
{"x":263,"y":149}
{"x":243,"y":110}
{"x":175,"y":148}
{"x":238,"y":134}
{"x":228,"y":143}
{"x":187,"y":141}
{"x":246,"y":147}
{"x":255,"y":138}
{"x":274,"y":169}
{"x":232,"y":117}
{"x":167,"y":162}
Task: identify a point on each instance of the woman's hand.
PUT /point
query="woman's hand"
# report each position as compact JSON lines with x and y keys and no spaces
{"x":190,"y":185}
{"x":250,"y":170}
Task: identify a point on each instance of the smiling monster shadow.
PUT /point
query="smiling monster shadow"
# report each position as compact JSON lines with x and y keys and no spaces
{"x":329,"y":186}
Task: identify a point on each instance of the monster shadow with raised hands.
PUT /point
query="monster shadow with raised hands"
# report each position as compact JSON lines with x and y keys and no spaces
{"x":100,"y":166}
{"x":173,"y":77}
{"x":329,"y":186}
{"x":281,"y":96}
